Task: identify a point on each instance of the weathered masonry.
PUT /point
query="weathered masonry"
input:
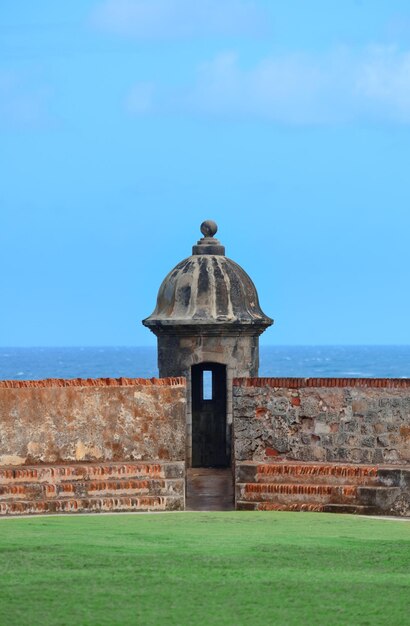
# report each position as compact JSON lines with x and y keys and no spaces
{"x":133,"y":444}
{"x":339,"y":445}
{"x":92,"y":445}
{"x":119,"y":445}
{"x":208,"y":321}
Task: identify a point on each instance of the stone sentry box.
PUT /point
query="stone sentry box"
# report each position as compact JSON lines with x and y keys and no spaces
{"x":208,"y":319}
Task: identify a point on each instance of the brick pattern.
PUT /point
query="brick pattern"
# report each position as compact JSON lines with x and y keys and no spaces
{"x":323,"y":487}
{"x":322,"y":444}
{"x":92,"y":382}
{"x":299,"y":383}
{"x":338,"y":474}
{"x":81,"y":488}
{"x":94,"y":505}
{"x":92,"y":445}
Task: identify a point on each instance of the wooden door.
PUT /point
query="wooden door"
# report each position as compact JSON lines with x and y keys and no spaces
{"x":209,"y":415}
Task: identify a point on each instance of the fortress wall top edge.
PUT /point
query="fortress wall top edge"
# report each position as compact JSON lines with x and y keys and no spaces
{"x":93,"y":382}
{"x":297,"y":383}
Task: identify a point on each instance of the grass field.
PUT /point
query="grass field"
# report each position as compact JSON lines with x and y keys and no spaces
{"x":204,"y":568}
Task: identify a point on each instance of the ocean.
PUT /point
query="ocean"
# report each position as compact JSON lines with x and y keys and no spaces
{"x":286,"y":361}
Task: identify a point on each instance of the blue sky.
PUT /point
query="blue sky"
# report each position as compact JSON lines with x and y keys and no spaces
{"x":125,"y":123}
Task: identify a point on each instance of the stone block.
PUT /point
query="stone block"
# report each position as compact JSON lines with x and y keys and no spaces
{"x":246,"y":473}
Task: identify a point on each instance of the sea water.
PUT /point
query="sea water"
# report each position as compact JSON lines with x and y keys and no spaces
{"x":285,"y":361}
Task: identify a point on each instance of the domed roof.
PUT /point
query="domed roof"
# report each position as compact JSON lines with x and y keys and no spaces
{"x":207,"y":288}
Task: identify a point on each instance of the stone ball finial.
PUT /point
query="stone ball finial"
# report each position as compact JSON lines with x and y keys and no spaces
{"x":209,"y":228}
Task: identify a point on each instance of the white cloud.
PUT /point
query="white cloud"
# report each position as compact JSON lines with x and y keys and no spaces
{"x":384,"y":81}
{"x":157,"y":19}
{"x":278,"y":88}
{"x":340,"y":86}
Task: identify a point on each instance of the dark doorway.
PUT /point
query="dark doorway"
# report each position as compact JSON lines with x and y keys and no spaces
{"x":209,"y":446}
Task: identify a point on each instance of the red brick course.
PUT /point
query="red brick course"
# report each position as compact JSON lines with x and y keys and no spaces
{"x":322,"y":487}
{"x":89,"y":487}
{"x":93,"y":382}
{"x":297,"y":383}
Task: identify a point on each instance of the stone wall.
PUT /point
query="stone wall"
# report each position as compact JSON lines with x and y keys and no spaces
{"x":82,"y":445}
{"x":340,"y":445}
{"x":342,"y":420}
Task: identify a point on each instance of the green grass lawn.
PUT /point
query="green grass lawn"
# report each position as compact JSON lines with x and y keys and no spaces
{"x":204,"y":568}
